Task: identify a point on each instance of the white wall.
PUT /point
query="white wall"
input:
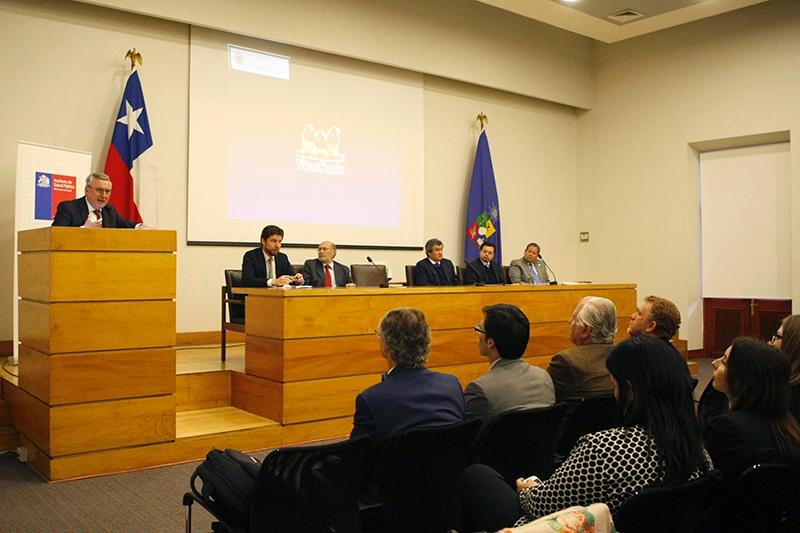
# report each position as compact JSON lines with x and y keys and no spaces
{"x":63,"y":72}
{"x":732,"y":75}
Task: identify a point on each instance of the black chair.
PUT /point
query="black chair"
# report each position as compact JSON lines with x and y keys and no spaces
{"x":410,"y":271}
{"x":234,"y":305}
{"x":765,"y":498}
{"x":712,"y":403}
{"x":669,"y":509}
{"x":421,"y":476}
{"x":520,"y":443}
{"x":461,"y":271}
{"x":586,"y":416}
{"x":505,"y":274}
{"x":303,"y":489}
{"x":369,"y":275}
{"x":298,"y":269}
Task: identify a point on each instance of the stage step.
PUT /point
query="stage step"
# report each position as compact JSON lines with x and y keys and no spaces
{"x":217,"y":420}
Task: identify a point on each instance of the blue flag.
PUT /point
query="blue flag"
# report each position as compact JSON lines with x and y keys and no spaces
{"x":483,"y":207}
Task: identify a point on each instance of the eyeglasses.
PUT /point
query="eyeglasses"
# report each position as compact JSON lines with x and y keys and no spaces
{"x":777,"y":336}
{"x":478,"y":329}
{"x":100,"y":190}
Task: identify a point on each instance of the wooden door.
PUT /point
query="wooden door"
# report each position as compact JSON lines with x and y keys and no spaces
{"x":724,"y":319}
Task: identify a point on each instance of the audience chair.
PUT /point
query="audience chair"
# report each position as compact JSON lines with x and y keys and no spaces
{"x":410,"y":271}
{"x":669,"y":509}
{"x":765,"y":498}
{"x":587,"y":416}
{"x":421,"y":476}
{"x":303,"y":489}
{"x":368,"y":275}
{"x":522,"y":442}
{"x":235,"y":308}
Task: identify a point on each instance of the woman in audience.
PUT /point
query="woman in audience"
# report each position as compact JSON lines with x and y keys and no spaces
{"x":759,"y":428}
{"x":658,"y":443}
{"x":787,"y":340}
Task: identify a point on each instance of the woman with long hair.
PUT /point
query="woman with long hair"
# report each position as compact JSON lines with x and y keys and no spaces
{"x":759,"y":428}
{"x":787,"y":340}
{"x":658,"y":443}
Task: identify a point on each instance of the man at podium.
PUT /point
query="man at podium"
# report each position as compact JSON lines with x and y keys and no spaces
{"x":92,"y":210}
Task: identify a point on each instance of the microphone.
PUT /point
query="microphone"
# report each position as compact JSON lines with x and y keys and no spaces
{"x":385,"y":283}
{"x":478,"y":282}
{"x":555,"y":280}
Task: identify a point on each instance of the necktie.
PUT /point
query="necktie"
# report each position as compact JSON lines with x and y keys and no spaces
{"x":98,"y":214}
{"x":328,"y":281}
{"x":440,"y":274}
{"x":534,"y":275}
{"x":270,"y":270}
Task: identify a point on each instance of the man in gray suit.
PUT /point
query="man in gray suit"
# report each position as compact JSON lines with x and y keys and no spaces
{"x":581,"y":372}
{"x":511,"y":383}
{"x":529,"y":268}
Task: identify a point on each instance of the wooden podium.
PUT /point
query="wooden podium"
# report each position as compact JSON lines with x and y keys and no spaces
{"x":97,"y":333}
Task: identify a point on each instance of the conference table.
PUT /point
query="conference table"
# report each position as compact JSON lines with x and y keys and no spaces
{"x":309,"y":352}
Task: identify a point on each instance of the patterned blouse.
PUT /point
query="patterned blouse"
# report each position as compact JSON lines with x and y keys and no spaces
{"x":604,"y":467}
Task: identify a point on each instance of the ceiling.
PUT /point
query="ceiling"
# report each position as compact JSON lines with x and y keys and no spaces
{"x":589,"y":17}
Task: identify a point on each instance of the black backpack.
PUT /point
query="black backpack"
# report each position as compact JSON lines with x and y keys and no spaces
{"x":229,"y":480}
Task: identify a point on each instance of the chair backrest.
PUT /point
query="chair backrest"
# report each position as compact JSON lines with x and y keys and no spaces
{"x":310,"y":488}
{"x":368,"y":275}
{"x":764,"y":497}
{"x":589,"y":415}
{"x":233,"y":278}
{"x":410,"y":271}
{"x":421,"y":476}
{"x":298,"y":269}
{"x":461,"y":271}
{"x":522,"y":442}
{"x":505,"y":274}
{"x":668,"y":509}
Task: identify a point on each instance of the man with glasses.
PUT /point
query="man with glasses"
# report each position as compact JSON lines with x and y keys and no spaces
{"x":93,"y":209}
{"x":511,"y":383}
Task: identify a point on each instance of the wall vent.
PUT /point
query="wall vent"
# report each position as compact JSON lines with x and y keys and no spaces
{"x":625,"y":16}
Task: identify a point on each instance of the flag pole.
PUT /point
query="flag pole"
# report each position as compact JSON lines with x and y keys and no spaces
{"x":135,"y":57}
{"x":483,"y":119}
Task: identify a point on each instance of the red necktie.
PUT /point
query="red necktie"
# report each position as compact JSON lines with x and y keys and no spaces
{"x":328,"y":281}
{"x":98,"y":214}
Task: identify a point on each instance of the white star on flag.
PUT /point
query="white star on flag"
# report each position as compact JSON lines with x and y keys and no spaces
{"x":131,"y":119}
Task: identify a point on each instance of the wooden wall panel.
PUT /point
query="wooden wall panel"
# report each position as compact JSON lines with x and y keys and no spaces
{"x":94,"y":426}
{"x":96,"y":276}
{"x":323,"y":398}
{"x":82,"y":377}
{"x":202,"y":391}
{"x":62,"y":327}
{"x":30,"y":416}
{"x":317,"y":430}
{"x":110,"y":239}
{"x":257,"y":395}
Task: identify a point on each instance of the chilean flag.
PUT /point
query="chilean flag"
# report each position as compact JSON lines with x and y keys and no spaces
{"x":131,"y":137}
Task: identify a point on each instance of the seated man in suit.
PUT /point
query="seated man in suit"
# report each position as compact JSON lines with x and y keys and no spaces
{"x":324,"y":271}
{"x":409,"y":396}
{"x":581,"y":372}
{"x":511,"y":383}
{"x":267,"y":266}
{"x":435,"y":269}
{"x":92,"y":210}
{"x":484,"y":269}
{"x":529,"y":268}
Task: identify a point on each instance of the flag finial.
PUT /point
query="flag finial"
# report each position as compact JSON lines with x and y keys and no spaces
{"x":483,"y":120}
{"x":135,"y":57}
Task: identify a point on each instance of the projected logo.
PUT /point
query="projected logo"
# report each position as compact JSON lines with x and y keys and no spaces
{"x":319,"y":152}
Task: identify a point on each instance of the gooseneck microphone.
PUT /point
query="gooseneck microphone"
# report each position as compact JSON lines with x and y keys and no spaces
{"x":478,"y":282}
{"x":555,"y":278}
{"x":383,"y":273}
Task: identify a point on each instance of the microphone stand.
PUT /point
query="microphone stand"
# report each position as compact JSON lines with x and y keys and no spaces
{"x":385,"y":284}
{"x":546,"y":266}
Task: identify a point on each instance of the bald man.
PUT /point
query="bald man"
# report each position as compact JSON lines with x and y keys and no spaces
{"x":324,"y":271}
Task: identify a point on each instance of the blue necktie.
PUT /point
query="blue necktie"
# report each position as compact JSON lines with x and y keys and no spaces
{"x":534,"y":275}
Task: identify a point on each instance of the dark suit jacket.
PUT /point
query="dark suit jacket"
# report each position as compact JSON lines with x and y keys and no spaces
{"x":314,"y":273}
{"x":254,"y":268}
{"x":738,"y":440}
{"x":471,"y":277}
{"x":406,"y":398}
{"x":425,"y":273}
{"x":75,"y":212}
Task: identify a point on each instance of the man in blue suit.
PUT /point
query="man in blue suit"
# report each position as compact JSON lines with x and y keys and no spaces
{"x":267,"y":266}
{"x":435,"y":269}
{"x":92,"y":210}
{"x":410,"y":395}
